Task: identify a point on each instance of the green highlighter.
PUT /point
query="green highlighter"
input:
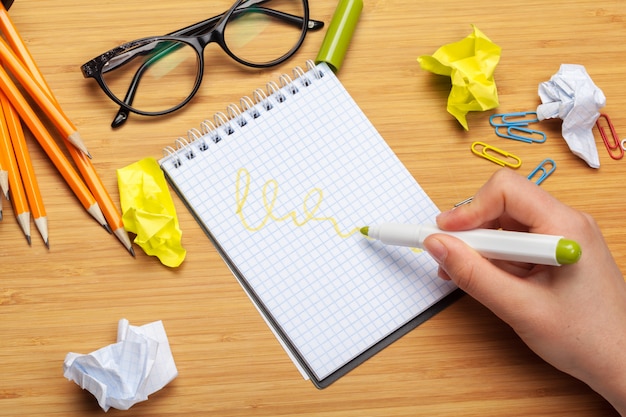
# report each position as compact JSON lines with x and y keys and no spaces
{"x":339,"y":33}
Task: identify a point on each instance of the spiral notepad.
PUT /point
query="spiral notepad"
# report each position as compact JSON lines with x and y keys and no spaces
{"x":281,"y":183}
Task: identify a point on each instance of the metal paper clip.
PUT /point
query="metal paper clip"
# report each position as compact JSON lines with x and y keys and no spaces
{"x":615,"y":149}
{"x":543,"y":168}
{"x":523,"y":118}
{"x":487,"y":152}
{"x":523,"y":134}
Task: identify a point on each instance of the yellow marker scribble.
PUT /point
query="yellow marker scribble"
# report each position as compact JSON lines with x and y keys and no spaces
{"x":270,"y":195}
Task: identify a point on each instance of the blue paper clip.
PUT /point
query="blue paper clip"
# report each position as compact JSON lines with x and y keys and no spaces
{"x":545,"y":172}
{"x":523,"y":134}
{"x":488,"y":152}
{"x":516,"y":125}
{"x":523,"y":118}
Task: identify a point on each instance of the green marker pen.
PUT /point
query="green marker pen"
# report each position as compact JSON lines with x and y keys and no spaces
{"x":505,"y":245}
{"x":339,"y":33}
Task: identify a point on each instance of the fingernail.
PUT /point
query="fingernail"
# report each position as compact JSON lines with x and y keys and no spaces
{"x":436,"y":249}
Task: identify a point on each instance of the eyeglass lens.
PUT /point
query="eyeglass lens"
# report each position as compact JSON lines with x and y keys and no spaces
{"x":165,"y":71}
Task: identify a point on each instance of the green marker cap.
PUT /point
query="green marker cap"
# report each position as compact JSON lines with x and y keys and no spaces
{"x":568,"y":252}
{"x":339,"y":33}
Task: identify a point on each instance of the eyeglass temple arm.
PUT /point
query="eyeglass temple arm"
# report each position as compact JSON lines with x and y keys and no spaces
{"x":197,"y":29}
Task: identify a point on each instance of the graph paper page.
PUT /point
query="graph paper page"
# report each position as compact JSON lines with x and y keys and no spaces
{"x":284,"y":196}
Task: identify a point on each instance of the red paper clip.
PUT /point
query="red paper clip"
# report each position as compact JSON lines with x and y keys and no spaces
{"x":615,"y":147}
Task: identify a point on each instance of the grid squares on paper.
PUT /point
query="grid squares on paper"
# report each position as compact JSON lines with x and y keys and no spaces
{"x":333,"y":296}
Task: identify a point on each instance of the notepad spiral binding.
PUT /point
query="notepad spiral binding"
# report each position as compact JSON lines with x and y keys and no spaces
{"x":248,"y":110}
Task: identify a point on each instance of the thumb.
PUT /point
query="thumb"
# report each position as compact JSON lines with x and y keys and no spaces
{"x":498,"y":290}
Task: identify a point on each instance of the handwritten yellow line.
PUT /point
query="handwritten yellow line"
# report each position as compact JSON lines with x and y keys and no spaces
{"x":311,"y":205}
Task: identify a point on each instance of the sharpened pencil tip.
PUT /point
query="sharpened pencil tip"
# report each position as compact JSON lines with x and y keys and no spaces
{"x":132,"y":251}
{"x":76,"y":140}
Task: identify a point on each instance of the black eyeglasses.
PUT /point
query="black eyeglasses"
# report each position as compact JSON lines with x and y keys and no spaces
{"x":158,"y":75}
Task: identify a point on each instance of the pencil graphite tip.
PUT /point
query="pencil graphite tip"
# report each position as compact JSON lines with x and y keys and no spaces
{"x":76,"y":140}
{"x":365,"y":230}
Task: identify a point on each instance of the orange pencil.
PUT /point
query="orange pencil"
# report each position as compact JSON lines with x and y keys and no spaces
{"x":4,"y":185}
{"x":114,"y":219}
{"x":4,"y":181}
{"x":54,"y":113}
{"x":84,"y":164}
{"x":29,"y":180}
{"x":53,"y":151}
{"x":18,"y":46}
{"x":18,"y":195}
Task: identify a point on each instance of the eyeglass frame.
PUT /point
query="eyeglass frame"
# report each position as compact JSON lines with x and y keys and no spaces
{"x":197,"y":37}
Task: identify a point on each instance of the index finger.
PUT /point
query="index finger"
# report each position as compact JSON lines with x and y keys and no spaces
{"x":510,"y":201}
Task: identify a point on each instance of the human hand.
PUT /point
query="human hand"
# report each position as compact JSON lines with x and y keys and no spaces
{"x":573,"y":316}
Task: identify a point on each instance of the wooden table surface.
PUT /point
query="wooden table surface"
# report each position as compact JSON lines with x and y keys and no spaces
{"x":463,"y":362}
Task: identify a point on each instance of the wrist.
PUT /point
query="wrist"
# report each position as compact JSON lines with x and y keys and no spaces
{"x":608,"y":376}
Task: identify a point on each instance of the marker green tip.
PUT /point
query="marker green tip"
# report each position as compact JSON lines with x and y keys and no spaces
{"x":365,"y":230}
{"x":568,"y":252}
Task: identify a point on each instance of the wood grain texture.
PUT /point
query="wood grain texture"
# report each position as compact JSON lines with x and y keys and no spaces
{"x":463,"y":362}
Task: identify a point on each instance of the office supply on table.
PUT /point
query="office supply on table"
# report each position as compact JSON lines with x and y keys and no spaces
{"x":523,"y":118}
{"x":124,"y":373}
{"x":149,"y":211}
{"x":4,"y":184}
{"x":26,"y":170}
{"x":470,"y":63}
{"x":4,"y":180}
{"x":40,"y":132}
{"x":82,"y":161}
{"x":54,"y":112}
{"x":496,"y":155}
{"x":612,"y":144}
{"x":517,"y":126}
{"x":494,"y":244}
{"x":572,"y":96}
{"x":279,"y":188}
{"x":58,"y":158}
{"x":18,"y":46}
{"x":339,"y":33}
{"x":16,"y":187}
{"x":545,"y":169}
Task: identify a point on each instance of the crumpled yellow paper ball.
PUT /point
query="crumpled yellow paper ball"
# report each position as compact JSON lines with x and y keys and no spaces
{"x":149,"y":212}
{"x":470,"y":63}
